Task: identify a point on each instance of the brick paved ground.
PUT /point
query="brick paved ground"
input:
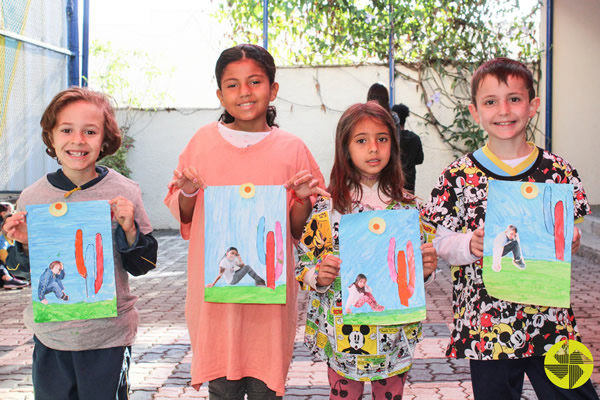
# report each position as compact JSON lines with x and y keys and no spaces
{"x":162,"y":354}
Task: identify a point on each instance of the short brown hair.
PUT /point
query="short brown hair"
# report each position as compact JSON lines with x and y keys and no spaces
{"x":502,"y":68}
{"x":112,"y":133}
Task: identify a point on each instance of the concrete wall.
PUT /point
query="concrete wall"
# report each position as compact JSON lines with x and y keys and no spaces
{"x":576,"y":86}
{"x":309,"y":104}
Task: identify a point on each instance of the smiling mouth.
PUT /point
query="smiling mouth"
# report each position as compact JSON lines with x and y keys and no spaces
{"x":77,"y":153}
{"x":246,"y":104}
{"x":507,"y":123}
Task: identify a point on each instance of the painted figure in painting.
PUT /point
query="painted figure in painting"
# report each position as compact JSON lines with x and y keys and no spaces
{"x":506,"y":242}
{"x":51,"y":282}
{"x":361,"y":293}
{"x":233,"y":269}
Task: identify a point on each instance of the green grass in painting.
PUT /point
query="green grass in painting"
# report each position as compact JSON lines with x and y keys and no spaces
{"x":392,"y":317}
{"x":544,"y":283}
{"x":66,"y":312}
{"x":245,"y":294}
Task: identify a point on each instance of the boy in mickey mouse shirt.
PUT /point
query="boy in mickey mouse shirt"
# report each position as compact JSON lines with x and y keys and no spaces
{"x":503,"y":340}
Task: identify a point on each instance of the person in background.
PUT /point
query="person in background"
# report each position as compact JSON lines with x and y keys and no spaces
{"x":411,"y":149}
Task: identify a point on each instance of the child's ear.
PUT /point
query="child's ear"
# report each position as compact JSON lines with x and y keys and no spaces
{"x":220,"y":96}
{"x":534,"y":104}
{"x":474,"y":113}
{"x":274,"y":90}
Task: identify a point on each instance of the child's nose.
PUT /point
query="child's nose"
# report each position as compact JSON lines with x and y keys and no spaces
{"x":504,"y":107}
{"x":78,"y":136}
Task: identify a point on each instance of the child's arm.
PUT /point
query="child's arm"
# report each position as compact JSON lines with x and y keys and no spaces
{"x":458,"y":248}
{"x":190,"y":183}
{"x":139,"y":250}
{"x":576,"y":240}
{"x":303,"y":186}
{"x":221,"y":271}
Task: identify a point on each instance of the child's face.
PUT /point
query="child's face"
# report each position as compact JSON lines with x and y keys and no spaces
{"x":56,"y":269}
{"x":77,"y":139}
{"x":361,"y":283}
{"x":511,"y":234}
{"x":369,"y":146}
{"x":231,"y":254}
{"x":504,"y":110}
{"x":246,"y":93}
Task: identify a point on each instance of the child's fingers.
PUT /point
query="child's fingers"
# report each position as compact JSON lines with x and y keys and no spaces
{"x":290,"y":182}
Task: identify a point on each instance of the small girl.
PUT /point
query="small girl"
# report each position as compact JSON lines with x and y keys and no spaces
{"x":241,"y":348}
{"x":360,"y":293}
{"x":366,"y":175}
{"x":87,"y":359}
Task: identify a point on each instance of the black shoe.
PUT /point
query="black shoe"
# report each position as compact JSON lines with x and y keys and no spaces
{"x":64,"y":297}
{"x":14,"y":284}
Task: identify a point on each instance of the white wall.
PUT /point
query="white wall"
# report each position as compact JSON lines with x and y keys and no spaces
{"x":302,"y":110}
{"x":576,"y":86}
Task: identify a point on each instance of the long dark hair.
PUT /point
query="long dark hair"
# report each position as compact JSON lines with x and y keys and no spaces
{"x":355,"y":283}
{"x":253,"y":52}
{"x":345,"y":178}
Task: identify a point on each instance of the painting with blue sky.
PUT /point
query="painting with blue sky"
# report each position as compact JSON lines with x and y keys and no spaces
{"x":245,"y":244}
{"x":527,"y":242}
{"x":71,"y":258}
{"x":382,"y":267}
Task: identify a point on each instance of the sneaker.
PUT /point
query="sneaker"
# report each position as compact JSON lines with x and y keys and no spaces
{"x":64,"y":297}
{"x":14,"y":284}
{"x":520,"y":263}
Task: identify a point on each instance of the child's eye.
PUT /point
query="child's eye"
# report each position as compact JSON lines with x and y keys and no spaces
{"x":514,"y":99}
{"x":255,"y":82}
{"x":66,"y":130}
{"x":231,"y":85}
{"x":489,"y":102}
{"x":383,"y":139}
{"x":361,"y":141}
{"x":90,"y":132}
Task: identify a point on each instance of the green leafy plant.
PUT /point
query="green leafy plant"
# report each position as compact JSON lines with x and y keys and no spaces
{"x":112,"y":76}
{"x":440,"y":42}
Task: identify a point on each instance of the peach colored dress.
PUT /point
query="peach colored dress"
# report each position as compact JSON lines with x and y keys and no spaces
{"x":239,"y":340}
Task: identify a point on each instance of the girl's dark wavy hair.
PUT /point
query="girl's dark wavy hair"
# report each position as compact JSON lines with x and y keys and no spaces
{"x":345,"y":177}
{"x":253,"y":52}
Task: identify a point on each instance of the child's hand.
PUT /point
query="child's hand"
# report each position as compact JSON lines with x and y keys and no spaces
{"x":124,"y":212}
{"x":188,"y":180}
{"x":304,"y":185}
{"x":576,"y":240}
{"x":476,"y":244}
{"x":430,"y":259}
{"x":329,"y":269}
{"x":16,"y":227}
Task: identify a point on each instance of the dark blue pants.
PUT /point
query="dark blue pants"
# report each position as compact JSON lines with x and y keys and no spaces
{"x":80,"y":375}
{"x":503,"y":380}
{"x":224,"y":389}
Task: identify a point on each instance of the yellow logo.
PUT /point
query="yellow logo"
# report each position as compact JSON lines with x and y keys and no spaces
{"x":568,"y":364}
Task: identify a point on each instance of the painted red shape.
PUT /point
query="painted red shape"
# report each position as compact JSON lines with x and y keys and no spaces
{"x":391,"y":261}
{"x":79,"y":260}
{"x":403,"y":291}
{"x":270,"y":260}
{"x":99,"y":263}
{"x":559,"y":231}
{"x":410,"y":256}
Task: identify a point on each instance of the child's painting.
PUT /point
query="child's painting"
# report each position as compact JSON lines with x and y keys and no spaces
{"x":382,"y":267}
{"x":527,"y":242}
{"x":71,"y":258}
{"x":245,"y":238}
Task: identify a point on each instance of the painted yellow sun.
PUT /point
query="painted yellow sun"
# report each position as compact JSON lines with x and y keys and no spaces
{"x":529,"y":190}
{"x":58,"y":209}
{"x":377,"y":225}
{"x":247,"y":190}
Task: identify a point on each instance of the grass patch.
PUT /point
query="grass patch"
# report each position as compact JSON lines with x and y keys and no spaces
{"x":245,"y":294}
{"x":543,"y":283}
{"x":53,"y":312}
{"x":391,"y":317}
